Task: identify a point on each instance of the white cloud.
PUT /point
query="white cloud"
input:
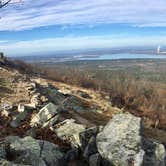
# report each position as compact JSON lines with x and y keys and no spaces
{"x":70,"y":43}
{"x":3,"y":41}
{"x":61,"y":12}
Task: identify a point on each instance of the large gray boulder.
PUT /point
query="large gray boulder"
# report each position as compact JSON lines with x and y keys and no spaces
{"x":120,"y":142}
{"x":69,"y":131}
{"x":46,"y":114}
{"x":33,"y":152}
{"x":25,"y":151}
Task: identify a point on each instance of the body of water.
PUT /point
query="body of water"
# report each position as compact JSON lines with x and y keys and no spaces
{"x":124,"y":56}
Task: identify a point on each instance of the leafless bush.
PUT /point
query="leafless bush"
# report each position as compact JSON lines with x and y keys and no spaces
{"x":141,"y":97}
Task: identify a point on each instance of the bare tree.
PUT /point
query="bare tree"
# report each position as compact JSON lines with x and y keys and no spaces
{"x":4,"y":3}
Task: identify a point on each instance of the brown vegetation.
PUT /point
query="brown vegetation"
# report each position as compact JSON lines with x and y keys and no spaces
{"x":140,"y":97}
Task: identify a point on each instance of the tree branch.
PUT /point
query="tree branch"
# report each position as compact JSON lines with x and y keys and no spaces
{"x":4,"y":4}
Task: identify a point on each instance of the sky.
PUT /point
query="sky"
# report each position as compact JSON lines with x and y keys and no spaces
{"x":40,"y":26}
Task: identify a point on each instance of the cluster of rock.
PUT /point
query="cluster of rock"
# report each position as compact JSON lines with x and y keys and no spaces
{"x":120,"y":143}
{"x":29,"y":151}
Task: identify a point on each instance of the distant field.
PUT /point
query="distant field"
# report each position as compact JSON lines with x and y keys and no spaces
{"x":149,"y":69}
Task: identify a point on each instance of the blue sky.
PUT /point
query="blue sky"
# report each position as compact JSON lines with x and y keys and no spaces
{"x":55,"y":25}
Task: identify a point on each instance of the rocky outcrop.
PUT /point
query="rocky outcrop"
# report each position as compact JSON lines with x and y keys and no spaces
{"x":119,"y":143}
{"x":54,"y":95}
{"x":122,"y":143}
{"x":69,"y":131}
{"x":46,"y":116}
{"x":33,"y":152}
{"x":25,"y":151}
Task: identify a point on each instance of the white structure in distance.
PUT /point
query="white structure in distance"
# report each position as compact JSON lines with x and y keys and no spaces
{"x":158,"y":49}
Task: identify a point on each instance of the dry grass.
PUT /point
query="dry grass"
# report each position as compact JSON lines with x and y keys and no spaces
{"x":96,"y":118}
{"x":140,"y":97}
